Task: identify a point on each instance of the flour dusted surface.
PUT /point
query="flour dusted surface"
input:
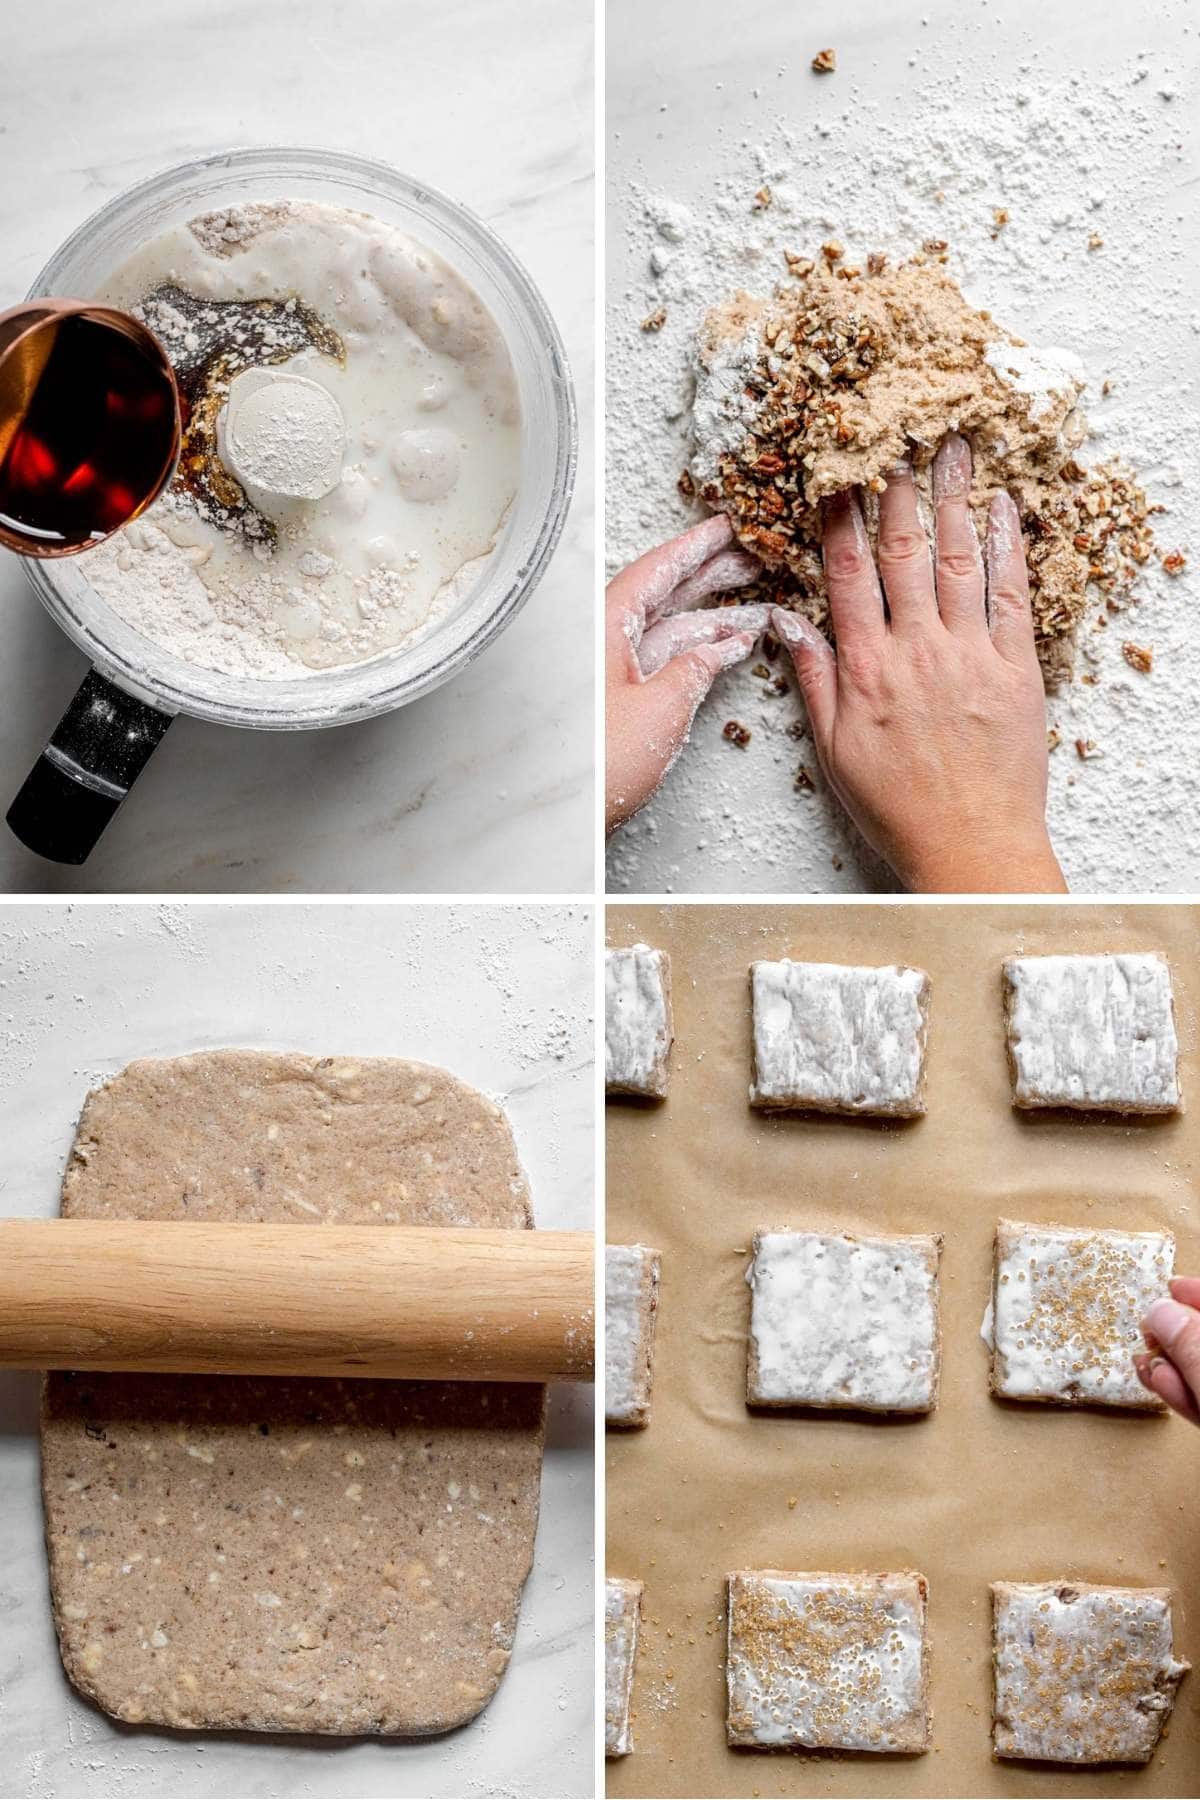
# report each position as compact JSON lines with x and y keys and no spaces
{"x":290,"y":1555}
{"x":834,"y":1038}
{"x":843,"y":1321}
{"x":1083,"y":1674}
{"x":921,"y":135}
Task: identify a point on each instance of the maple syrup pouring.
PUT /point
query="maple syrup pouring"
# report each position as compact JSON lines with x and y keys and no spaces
{"x":89,"y":425}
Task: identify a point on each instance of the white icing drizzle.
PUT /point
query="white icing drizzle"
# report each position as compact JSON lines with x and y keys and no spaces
{"x":843,"y":1321}
{"x":637,"y":1033}
{"x":622,"y":1610}
{"x":838,"y":1038}
{"x":826,"y":1661}
{"x":1066,"y":1308}
{"x":1083,"y":1675}
{"x":631,"y":1273}
{"x":1093,"y":1032}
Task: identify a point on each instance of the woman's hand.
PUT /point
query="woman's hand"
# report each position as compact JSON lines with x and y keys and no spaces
{"x":1171,"y":1367}
{"x":661,"y":659}
{"x":929,"y":724}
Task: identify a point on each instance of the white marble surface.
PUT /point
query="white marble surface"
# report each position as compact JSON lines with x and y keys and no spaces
{"x":504,"y":998}
{"x":940,"y":111}
{"x":486,"y":785}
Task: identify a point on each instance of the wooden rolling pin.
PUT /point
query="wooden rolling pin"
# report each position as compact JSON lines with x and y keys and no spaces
{"x":393,"y":1302}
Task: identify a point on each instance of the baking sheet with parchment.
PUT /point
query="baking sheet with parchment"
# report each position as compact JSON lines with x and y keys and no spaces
{"x":979,"y":1491}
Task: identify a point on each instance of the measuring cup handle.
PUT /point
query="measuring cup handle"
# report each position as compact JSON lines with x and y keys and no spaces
{"x":97,"y":751}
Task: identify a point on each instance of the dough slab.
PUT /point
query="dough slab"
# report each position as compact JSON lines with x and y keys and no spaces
{"x":290,"y":1555}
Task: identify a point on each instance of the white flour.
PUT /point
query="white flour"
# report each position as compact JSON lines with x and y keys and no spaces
{"x":372,"y":475}
{"x":1069,"y":159}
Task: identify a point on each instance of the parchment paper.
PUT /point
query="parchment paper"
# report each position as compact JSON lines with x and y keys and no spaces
{"x":979,"y":1491}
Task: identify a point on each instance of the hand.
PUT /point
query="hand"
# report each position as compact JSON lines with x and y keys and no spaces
{"x":661,"y":659}
{"x":931,"y":727}
{"x":1172,"y":1331}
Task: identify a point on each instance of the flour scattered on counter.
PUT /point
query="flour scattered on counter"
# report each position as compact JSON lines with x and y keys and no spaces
{"x":1014,"y":179}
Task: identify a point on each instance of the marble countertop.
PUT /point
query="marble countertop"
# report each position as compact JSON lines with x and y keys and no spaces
{"x":485,"y":785}
{"x":504,"y":998}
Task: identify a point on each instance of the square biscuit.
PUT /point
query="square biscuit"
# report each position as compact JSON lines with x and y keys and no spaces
{"x":827,"y":1662}
{"x":1066,"y":1307}
{"x":829,"y":1037}
{"x":631,"y":1277}
{"x":1096,"y":1033}
{"x":1082,"y":1674}
{"x":622,"y":1618}
{"x":845,"y":1321}
{"x":637,"y":1021}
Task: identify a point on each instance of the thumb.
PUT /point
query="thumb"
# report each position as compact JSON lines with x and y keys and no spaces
{"x":682,"y":684}
{"x":815,"y":666}
{"x":1176,"y":1330}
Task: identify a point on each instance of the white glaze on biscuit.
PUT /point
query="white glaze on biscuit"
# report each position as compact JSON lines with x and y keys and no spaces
{"x":832,"y":1662}
{"x":622,"y":1614}
{"x":631,"y":1275}
{"x":847,"y":1321}
{"x":637,"y":1020}
{"x":1066,"y":1307}
{"x":833,"y":1038}
{"x":1083,"y":1674}
{"x":1096,"y":1032}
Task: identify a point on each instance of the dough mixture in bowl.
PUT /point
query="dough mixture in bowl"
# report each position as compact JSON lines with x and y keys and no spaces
{"x":845,"y":371}
{"x":351,"y":441}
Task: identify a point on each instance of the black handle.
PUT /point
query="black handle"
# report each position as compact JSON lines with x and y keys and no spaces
{"x":99,"y":748}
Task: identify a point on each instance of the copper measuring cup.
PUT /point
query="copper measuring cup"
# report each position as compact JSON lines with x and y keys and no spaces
{"x":29,"y":335}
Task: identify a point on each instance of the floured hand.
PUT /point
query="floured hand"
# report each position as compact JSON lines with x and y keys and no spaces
{"x":661,"y":658}
{"x":930,"y":719}
{"x":1171,"y":1367}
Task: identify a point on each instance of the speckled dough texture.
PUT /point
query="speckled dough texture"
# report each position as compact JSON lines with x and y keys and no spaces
{"x":1083,"y":1674}
{"x":832,"y":1038}
{"x":1093,"y":1032}
{"x":622,"y":1617}
{"x":827,"y":1662}
{"x":845,"y":1321}
{"x":637,"y":1021}
{"x":631,"y":1277}
{"x":290,"y":1555}
{"x":1066,"y":1311}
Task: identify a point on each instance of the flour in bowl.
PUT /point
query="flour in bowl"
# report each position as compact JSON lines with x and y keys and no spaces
{"x":351,"y":441}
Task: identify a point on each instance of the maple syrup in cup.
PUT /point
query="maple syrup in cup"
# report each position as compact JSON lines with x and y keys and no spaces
{"x":89,"y":425}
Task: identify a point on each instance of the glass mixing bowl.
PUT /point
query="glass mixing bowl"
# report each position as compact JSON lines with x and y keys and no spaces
{"x":165,"y":682}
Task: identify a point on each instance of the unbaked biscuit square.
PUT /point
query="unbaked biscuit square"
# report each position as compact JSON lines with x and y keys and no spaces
{"x":1066,"y":1307}
{"x":1082,"y":1674}
{"x":1096,"y":1033}
{"x":637,"y":1021}
{"x":827,"y":1662}
{"x":622,"y":1617}
{"x":829,"y":1037}
{"x":845,"y":1321}
{"x":631,"y":1276}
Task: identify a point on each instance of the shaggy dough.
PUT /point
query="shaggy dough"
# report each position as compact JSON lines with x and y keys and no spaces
{"x":290,"y":1555}
{"x":843,"y":373}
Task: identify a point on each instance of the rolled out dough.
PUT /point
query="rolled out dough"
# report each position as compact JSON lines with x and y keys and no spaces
{"x":290,"y":1555}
